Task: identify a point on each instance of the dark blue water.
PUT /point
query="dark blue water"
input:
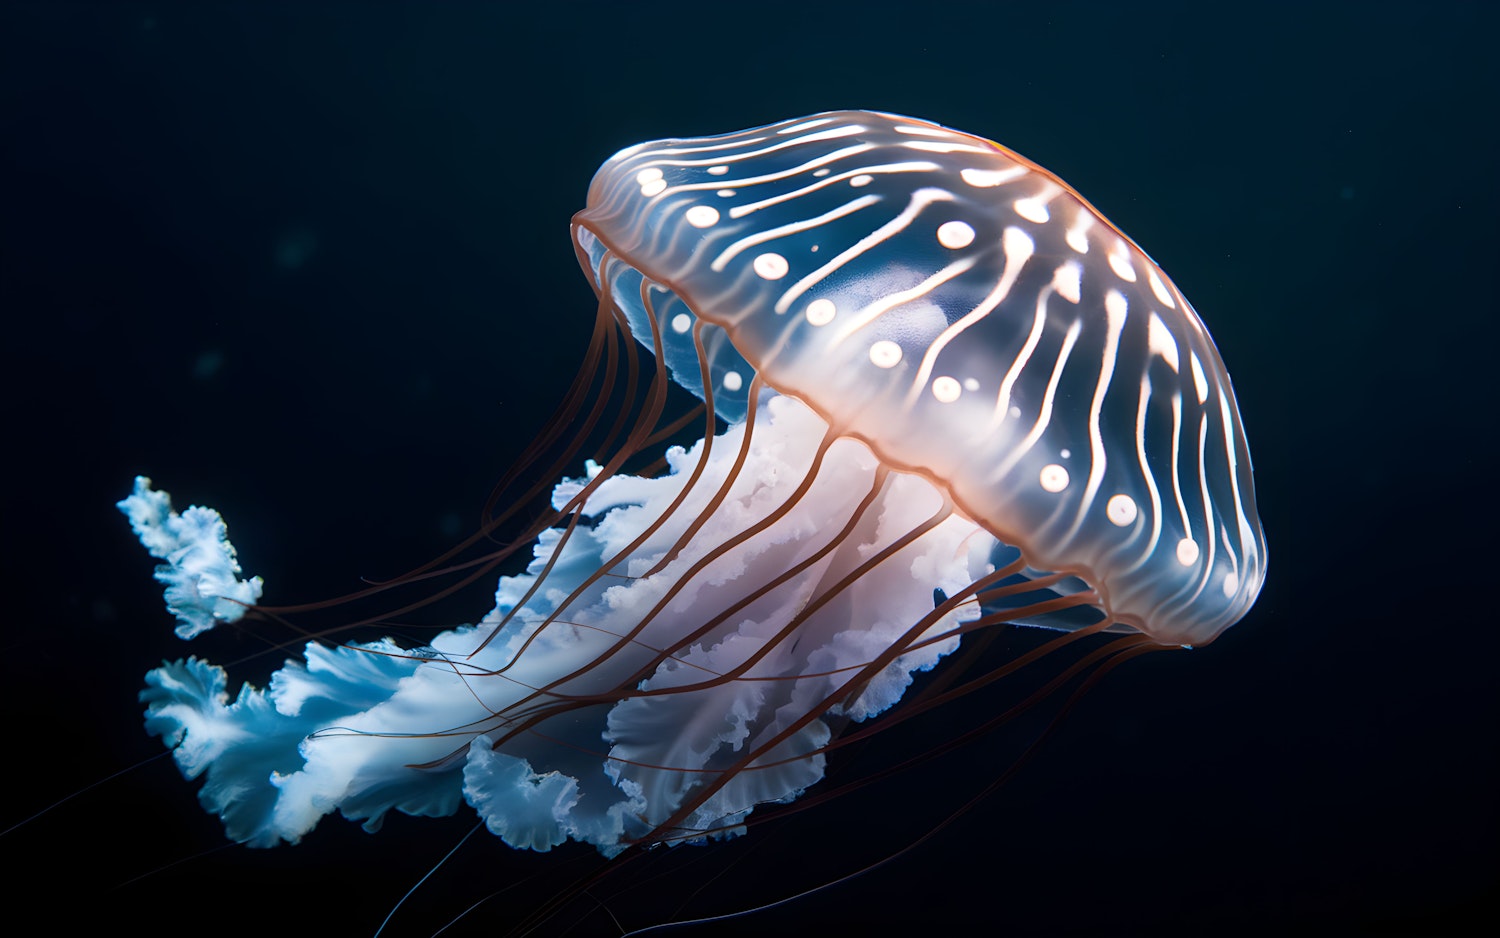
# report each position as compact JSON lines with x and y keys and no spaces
{"x":310,"y":265}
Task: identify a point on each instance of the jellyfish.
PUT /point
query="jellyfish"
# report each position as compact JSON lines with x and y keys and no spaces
{"x":942,"y":396}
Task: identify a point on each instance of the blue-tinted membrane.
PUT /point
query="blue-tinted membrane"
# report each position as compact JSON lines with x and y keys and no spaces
{"x":730,"y":373}
{"x":727,"y":368}
{"x":1066,"y":620}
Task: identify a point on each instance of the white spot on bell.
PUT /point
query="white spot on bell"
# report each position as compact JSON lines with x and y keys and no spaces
{"x":861,"y":180}
{"x":733,"y":381}
{"x":650,"y":174}
{"x":1231,"y":584}
{"x":885,"y":354}
{"x":1120,"y":510}
{"x":702,"y":216}
{"x":922,"y":131}
{"x":1119,"y":262}
{"x":771,"y":266}
{"x":682,"y":322}
{"x":1054,"y":478}
{"x":821,"y":172}
{"x":971,"y":384}
{"x":717,"y":170}
{"x":946,"y":389}
{"x":1200,"y":380}
{"x":1187,"y":552}
{"x":1160,"y":289}
{"x":1033,"y":210}
{"x":820,"y":312}
{"x":653,"y":187}
{"x":1159,"y":340}
{"x":1067,"y":280}
{"x":1077,"y":236}
{"x":989,"y":178}
{"x":955,"y":234}
{"x":1114,"y":304}
{"x":1017,"y":245}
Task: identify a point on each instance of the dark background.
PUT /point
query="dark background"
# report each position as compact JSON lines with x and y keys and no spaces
{"x":309,"y":264}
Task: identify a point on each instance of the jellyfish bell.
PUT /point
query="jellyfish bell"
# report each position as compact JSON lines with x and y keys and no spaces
{"x":954,"y":397}
{"x":969,"y":317}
